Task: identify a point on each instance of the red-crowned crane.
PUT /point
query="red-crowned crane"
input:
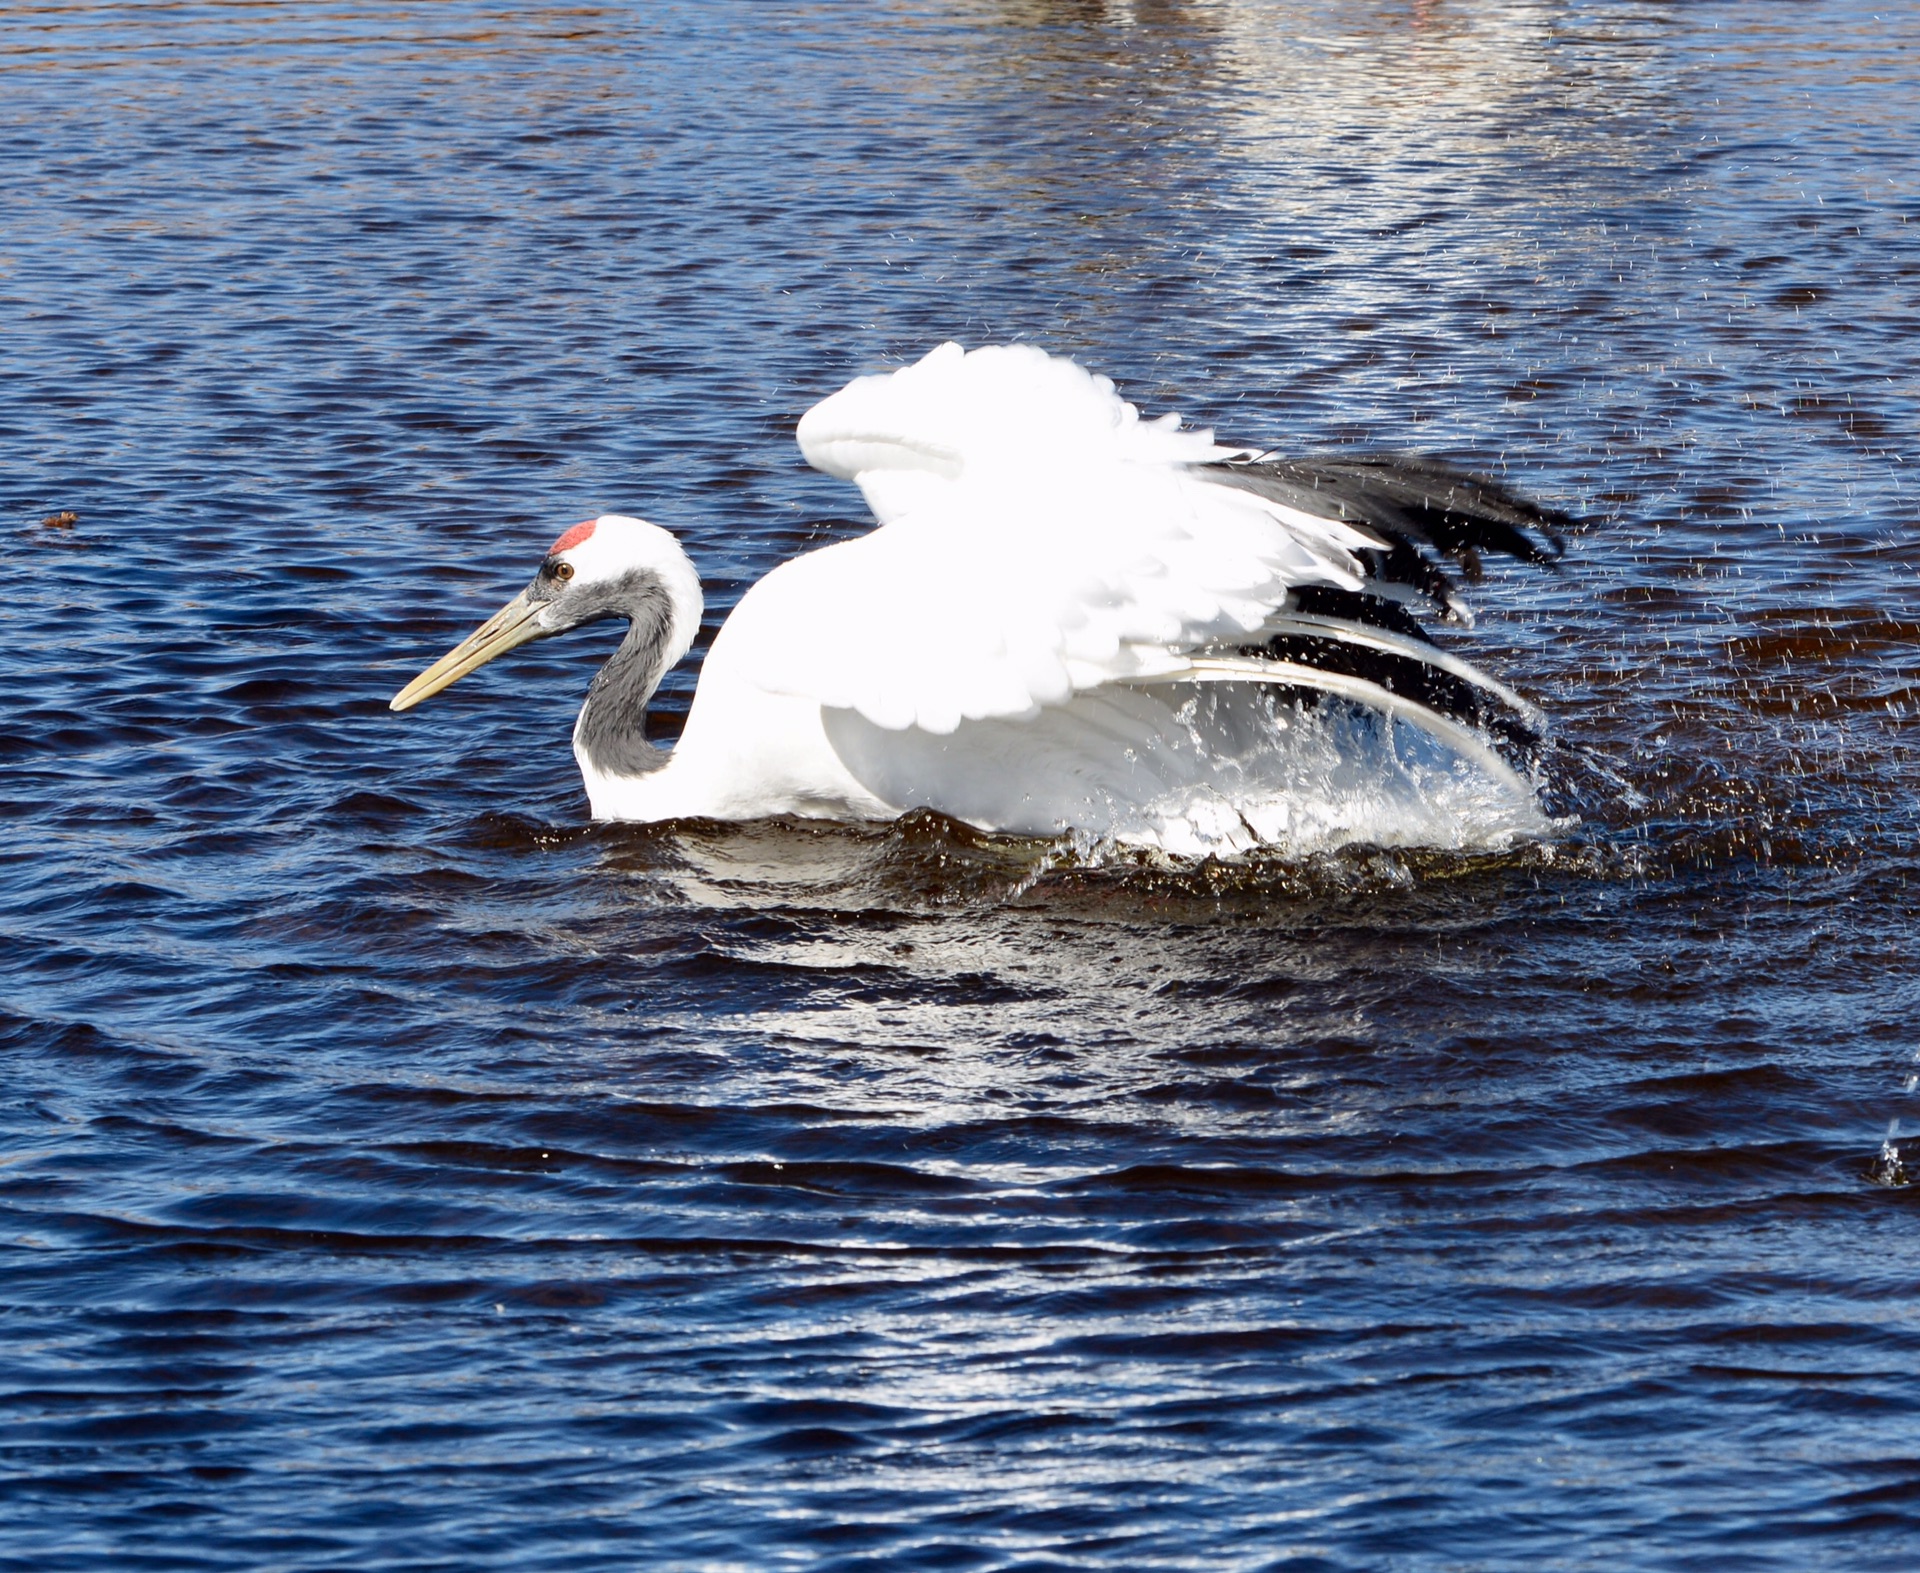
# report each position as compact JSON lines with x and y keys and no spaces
{"x":1069,"y":620}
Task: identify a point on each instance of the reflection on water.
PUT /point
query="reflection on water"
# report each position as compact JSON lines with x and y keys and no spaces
{"x":399,"y":1170}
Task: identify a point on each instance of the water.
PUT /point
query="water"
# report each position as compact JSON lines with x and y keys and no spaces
{"x":399,"y":1171}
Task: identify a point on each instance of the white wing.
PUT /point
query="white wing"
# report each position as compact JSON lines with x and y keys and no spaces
{"x":1215,"y":766}
{"x":1038,"y":540}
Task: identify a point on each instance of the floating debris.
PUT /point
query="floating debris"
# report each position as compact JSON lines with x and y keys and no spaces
{"x":62,"y":523}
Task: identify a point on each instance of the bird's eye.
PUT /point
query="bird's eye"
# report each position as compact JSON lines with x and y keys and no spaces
{"x":559,"y":570}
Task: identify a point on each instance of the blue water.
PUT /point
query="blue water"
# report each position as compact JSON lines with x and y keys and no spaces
{"x":399,"y":1171}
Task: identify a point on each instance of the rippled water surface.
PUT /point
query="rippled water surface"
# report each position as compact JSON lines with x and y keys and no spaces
{"x":399,"y":1171}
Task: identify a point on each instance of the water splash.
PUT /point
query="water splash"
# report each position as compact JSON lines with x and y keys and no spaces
{"x":1888,"y":1168}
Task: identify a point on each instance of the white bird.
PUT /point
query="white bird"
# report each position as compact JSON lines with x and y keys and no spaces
{"x":1070,"y":619}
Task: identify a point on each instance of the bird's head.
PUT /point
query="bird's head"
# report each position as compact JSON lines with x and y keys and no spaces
{"x":611,"y":566}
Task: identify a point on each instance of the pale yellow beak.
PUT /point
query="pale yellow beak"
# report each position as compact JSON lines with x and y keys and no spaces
{"x":514,"y":624}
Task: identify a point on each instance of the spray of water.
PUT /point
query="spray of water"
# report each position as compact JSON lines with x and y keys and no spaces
{"x":1889,"y":1168}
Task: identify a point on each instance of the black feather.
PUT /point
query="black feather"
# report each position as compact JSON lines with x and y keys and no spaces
{"x":1356,"y":606}
{"x":1417,"y":505}
{"x":1425,"y":511}
{"x":1411,"y":679}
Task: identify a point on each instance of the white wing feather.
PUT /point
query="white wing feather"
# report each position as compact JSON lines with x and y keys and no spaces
{"x":1038,"y":540}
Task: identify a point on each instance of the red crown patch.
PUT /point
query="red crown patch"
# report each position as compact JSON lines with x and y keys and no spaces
{"x":573,"y":537}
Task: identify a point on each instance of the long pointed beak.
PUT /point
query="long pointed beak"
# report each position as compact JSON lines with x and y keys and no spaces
{"x":514,"y":624}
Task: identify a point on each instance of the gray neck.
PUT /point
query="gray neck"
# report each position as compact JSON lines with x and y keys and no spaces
{"x":611,"y":733}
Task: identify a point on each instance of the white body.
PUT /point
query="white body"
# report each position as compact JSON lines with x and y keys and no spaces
{"x":1037,"y":640}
